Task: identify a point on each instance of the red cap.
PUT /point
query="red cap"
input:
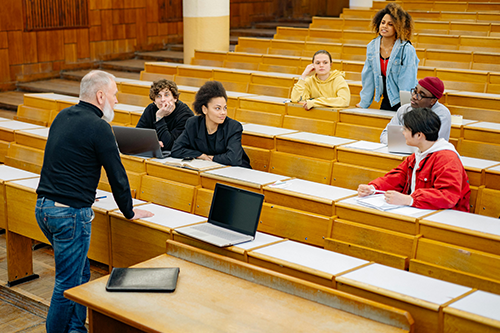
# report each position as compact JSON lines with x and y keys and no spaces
{"x":434,"y":85}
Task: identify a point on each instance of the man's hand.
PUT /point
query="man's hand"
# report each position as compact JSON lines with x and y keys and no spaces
{"x":396,"y":198}
{"x":141,"y":213}
{"x":165,"y":110}
{"x":205,"y":157}
{"x":364,"y":190}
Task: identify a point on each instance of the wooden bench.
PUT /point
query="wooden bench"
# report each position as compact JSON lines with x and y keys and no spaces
{"x":457,"y":264}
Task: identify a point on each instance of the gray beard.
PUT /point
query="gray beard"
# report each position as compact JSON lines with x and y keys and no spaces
{"x":108,"y":112}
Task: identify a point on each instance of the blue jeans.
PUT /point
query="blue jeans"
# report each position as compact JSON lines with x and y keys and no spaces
{"x":68,"y":231}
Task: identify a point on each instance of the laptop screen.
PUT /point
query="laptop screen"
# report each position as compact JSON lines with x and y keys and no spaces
{"x":236,"y":209}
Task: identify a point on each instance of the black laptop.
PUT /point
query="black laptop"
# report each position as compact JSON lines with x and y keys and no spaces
{"x":233,"y":219}
{"x":141,"y":142}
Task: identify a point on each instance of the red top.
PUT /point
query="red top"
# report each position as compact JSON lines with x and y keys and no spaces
{"x":383,"y":65}
{"x":442,"y":182}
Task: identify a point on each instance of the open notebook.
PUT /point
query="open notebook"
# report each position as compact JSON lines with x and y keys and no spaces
{"x":233,"y":219}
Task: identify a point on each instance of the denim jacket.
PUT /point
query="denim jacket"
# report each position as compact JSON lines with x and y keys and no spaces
{"x":401,"y":73}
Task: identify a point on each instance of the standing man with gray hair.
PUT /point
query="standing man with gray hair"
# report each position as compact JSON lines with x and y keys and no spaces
{"x":80,"y":143}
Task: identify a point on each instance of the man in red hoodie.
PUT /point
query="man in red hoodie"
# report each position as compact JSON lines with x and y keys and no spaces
{"x":431,"y":178}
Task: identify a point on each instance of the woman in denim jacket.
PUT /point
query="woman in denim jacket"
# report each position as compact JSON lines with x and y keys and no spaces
{"x":391,"y":61}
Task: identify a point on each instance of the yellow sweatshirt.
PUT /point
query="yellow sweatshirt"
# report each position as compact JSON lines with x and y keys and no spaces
{"x":331,"y":93}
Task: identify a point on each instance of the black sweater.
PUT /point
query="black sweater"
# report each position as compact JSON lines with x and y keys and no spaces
{"x":168,"y":128}
{"x":79,"y":144}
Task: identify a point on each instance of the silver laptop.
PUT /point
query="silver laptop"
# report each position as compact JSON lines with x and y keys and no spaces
{"x":404,"y":97}
{"x":141,"y":142}
{"x":233,"y":219}
{"x":396,"y":142}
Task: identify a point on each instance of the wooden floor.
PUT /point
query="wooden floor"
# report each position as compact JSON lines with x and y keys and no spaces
{"x":23,"y":308}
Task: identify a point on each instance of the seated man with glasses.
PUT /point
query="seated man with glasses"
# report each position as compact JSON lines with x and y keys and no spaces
{"x":431,"y":178}
{"x":425,"y":95}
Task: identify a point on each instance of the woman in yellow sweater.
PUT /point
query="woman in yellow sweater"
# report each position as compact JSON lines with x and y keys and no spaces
{"x":326,"y":88}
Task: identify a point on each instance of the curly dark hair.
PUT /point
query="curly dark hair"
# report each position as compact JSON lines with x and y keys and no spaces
{"x":211,"y":89}
{"x":161,"y":84}
{"x":403,"y":22}
{"x":322,"y":52}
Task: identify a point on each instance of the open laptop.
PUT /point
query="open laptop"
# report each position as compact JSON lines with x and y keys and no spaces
{"x":404,"y":97}
{"x":233,"y":219}
{"x":141,"y":142}
{"x":396,"y":142}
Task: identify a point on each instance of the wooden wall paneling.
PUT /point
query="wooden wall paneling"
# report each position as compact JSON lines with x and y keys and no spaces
{"x":141,"y":31}
{"x":130,"y":30}
{"x":82,"y":45}
{"x":11,"y":15}
{"x":30,"y":54}
{"x":95,"y":34}
{"x":69,"y":36}
{"x":4,"y":66}
{"x":118,"y":16}
{"x":163,"y":29}
{"x":103,"y":4}
{"x":94,"y":17}
{"x":120,"y":46}
{"x":70,"y":53}
{"x":151,"y":11}
{"x":118,"y":4}
{"x":4,"y":41}
{"x":119,"y":31}
{"x":129,"y":15}
{"x":15,"y":39}
{"x":152,"y":29}
{"x":50,"y":45}
{"x":107,"y":24}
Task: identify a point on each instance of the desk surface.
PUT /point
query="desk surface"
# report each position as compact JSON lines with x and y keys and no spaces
{"x":260,"y":240}
{"x":454,"y":218}
{"x":50,"y":96}
{"x":375,"y":112}
{"x":365,"y":145}
{"x":266,"y":130}
{"x":246,"y":175}
{"x":109,"y":202}
{"x":9,"y":173}
{"x":41,"y":132}
{"x":479,"y":303}
{"x":312,"y":257}
{"x":497,"y":168}
{"x":406,"y":210}
{"x":484,"y":125}
{"x":400,"y":282}
{"x":317,"y":138}
{"x":170,"y":218}
{"x":207,"y":300}
{"x":129,"y":108}
{"x":31,"y":183}
{"x":314,"y":189}
{"x":17,"y":125}
{"x":479,"y":163}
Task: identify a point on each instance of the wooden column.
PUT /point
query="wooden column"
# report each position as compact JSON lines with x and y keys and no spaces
{"x":206,"y":26}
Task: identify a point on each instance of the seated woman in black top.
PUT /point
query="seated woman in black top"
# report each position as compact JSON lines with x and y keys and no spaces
{"x":211,"y":135}
{"x":167,"y":115}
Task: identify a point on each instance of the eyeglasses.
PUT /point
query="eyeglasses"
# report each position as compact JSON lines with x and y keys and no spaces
{"x":419,"y":95}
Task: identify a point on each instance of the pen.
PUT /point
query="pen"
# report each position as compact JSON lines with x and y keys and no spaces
{"x":103,"y":197}
{"x":378,"y":191}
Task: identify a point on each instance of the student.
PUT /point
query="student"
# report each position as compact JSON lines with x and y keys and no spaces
{"x":326,"y":88}
{"x":425,"y":95}
{"x":167,"y":114}
{"x":211,"y":135}
{"x":431,"y":178}
{"x":391,"y":61}
{"x":79,"y":145}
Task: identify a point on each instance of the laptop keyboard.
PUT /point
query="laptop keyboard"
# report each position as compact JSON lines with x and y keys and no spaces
{"x":219,"y":232}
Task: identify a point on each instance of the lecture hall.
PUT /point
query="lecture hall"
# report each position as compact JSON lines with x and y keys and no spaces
{"x":307,"y":91}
